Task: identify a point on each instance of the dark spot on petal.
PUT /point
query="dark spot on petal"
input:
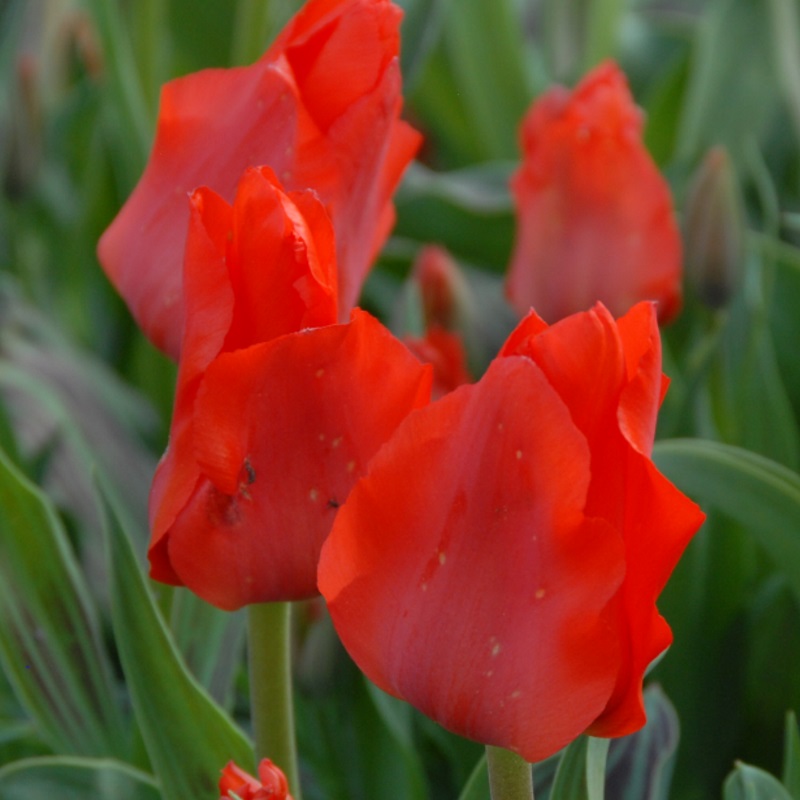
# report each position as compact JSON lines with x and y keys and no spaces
{"x":222,"y":509}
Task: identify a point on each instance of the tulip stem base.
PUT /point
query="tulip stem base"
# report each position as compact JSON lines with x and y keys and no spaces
{"x":272,"y":705}
{"x":510,"y":776}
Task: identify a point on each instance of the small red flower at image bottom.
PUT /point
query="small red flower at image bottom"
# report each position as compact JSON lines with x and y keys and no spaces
{"x":236,"y":784}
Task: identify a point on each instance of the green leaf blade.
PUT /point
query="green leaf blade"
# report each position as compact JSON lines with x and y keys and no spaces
{"x":751,"y":783}
{"x":49,"y":638}
{"x":188,"y":737}
{"x":758,"y":493}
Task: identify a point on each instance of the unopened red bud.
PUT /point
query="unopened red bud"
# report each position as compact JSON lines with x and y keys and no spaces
{"x":714,"y":230}
{"x":443,"y":289}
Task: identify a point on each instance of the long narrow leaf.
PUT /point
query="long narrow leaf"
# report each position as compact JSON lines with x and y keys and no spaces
{"x":69,"y":778}
{"x":188,"y":737}
{"x":761,"y":495}
{"x":791,"y":756}
{"x":477,"y":787}
{"x":581,"y":771}
{"x":751,"y":783}
{"x":50,"y":645}
{"x":486,"y":49}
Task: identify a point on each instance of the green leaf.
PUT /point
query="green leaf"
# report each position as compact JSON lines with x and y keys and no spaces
{"x":485,"y":47}
{"x":783,"y":317}
{"x":729,"y":28}
{"x":188,"y":737}
{"x":603,"y":24}
{"x":791,"y":756}
{"x":397,"y":717}
{"x":751,"y":783}
{"x":50,"y":645}
{"x":662,"y":107}
{"x":210,"y":640}
{"x":477,"y":787}
{"x":786,"y":39}
{"x":127,"y":94}
{"x":421,"y":29}
{"x":581,"y":772}
{"x":746,"y":375}
{"x":75,"y":779}
{"x":758,"y":493}
{"x":640,"y":765}
{"x":468,"y":211}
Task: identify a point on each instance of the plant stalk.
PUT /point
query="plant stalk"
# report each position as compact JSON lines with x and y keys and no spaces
{"x":272,"y":708}
{"x":510,"y":776}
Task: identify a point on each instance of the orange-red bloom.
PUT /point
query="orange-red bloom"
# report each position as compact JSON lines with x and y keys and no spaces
{"x":278,"y":408}
{"x":272,"y":783}
{"x":498,"y":565}
{"x":321,"y":108}
{"x":594,"y":216}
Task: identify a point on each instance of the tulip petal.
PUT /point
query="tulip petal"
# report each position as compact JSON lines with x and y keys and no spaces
{"x":331,"y":126}
{"x":331,"y":73}
{"x":609,"y":375}
{"x":212,"y":125}
{"x":594,"y":216}
{"x":660,"y":522}
{"x":646,"y":386}
{"x":281,"y":262}
{"x":463,"y":576}
{"x":281,"y":431}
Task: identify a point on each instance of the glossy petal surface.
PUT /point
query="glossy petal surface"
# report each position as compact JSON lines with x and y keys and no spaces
{"x":280,"y":433}
{"x":463,"y":575}
{"x":594,"y":217}
{"x":317,"y":119}
{"x":498,"y":566}
{"x":609,"y":374}
{"x":278,"y":408}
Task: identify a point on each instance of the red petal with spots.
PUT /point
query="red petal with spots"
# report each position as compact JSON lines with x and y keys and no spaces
{"x":260,"y":269}
{"x":595,"y":220}
{"x":609,"y":374}
{"x":280,"y":432}
{"x":320,"y":121}
{"x":519,"y":516}
{"x":463,"y":575}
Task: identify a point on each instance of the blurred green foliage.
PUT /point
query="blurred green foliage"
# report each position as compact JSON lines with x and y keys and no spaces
{"x":82,"y":392}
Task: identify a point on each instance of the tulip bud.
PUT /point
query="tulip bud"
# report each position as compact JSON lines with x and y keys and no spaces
{"x":443,"y":288}
{"x":714,"y":230}
{"x":445,"y":297}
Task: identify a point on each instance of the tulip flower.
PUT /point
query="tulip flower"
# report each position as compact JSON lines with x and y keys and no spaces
{"x":272,"y":783}
{"x":278,"y":407}
{"x":498,"y":565}
{"x":595,"y":220}
{"x":319,"y":116}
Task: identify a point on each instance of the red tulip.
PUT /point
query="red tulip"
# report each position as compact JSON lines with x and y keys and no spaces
{"x":321,"y":108}
{"x":498,"y":565}
{"x":594,"y":216}
{"x":278,"y":408}
{"x":272,"y":783}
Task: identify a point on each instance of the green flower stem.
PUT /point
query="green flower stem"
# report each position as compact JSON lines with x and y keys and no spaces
{"x":510,"y":776}
{"x":269,"y":647}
